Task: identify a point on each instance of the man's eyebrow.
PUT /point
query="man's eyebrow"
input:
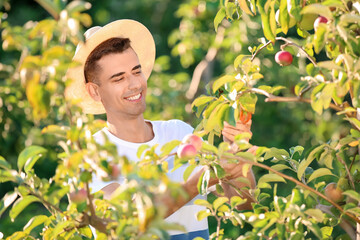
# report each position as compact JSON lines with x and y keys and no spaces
{"x":116,"y":75}
{"x":136,"y":67}
{"x":121,"y":73}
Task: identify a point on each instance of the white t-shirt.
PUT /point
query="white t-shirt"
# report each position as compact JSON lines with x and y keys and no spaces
{"x":164,"y":132}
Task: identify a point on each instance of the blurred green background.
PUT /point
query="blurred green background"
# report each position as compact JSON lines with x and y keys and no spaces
{"x":185,"y":38}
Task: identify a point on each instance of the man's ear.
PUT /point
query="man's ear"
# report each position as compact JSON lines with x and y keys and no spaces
{"x":93,"y":90}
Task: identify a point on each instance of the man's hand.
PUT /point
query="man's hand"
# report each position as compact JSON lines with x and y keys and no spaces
{"x":229,"y":132}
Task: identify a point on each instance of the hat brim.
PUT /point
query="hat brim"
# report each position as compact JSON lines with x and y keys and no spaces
{"x":141,"y":41}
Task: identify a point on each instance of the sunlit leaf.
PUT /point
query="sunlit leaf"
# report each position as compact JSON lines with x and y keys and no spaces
{"x":20,"y":205}
{"x":203,"y":214}
{"x":28,"y":155}
{"x":319,"y":173}
{"x":318,"y":8}
{"x":219,"y":201}
{"x":34,"y":222}
{"x":7,"y":200}
{"x":219,"y":17}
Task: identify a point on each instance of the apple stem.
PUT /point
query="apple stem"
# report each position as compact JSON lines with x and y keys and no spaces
{"x":287,"y":42}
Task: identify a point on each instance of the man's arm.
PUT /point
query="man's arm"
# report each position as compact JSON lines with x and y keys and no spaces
{"x":233,"y":186}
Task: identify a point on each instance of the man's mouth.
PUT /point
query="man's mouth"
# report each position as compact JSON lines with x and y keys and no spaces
{"x":135,"y":97}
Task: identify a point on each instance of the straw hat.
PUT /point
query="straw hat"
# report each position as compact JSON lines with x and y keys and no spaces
{"x":141,"y":41}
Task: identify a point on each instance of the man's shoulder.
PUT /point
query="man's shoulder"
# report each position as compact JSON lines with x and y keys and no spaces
{"x":100,"y":136}
{"x":172,"y":124}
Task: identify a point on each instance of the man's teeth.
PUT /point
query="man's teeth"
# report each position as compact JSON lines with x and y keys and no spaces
{"x":136,"y":97}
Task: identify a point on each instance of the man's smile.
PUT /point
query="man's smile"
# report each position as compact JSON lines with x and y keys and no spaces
{"x":134,"y":97}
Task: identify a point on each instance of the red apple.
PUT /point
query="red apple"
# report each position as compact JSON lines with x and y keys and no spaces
{"x":283,"y":58}
{"x":334,"y":193}
{"x":78,"y":196}
{"x":319,"y":20}
{"x":194,"y":140}
{"x":186,"y":151}
{"x":115,"y":171}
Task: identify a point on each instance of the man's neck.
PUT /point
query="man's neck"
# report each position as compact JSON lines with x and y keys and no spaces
{"x":135,"y":130}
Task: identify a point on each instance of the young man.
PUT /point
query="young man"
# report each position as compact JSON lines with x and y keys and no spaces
{"x":116,"y":61}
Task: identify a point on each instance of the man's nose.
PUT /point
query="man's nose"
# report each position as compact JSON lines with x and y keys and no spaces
{"x":134,"y":82}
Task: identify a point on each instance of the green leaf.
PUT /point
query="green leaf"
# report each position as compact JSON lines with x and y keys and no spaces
{"x":320,"y":38}
{"x":305,"y":163}
{"x":219,"y":201}
{"x":354,"y":195}
{"x":239,"y":59}
{"x":7,"y":175}
{"x":280,"y":204}
{"x":203,"y":214}
{"x":34,"y":222}
{"x":202,"y":202}
{"x":279,"y":154}
{"x":220,"y":15}
{"x":243,"y":5}
{"x":20,"y":205}
{"x":318,"y":8}
{"x":203,"y":182}
{"x":294,"y":9}
{"x":248,"y":102}
{"x":316,"y":101}
{"x":141,"y":150}
{"x":4,"y":164}
{"x":221,"y":81}
{"x":284,"y":17}
{"x":215,"y":117}
{"x":27,"y":155}
{"x":168,"y":147}
{"x":271,"y":177}
{"x":317,"y":214}
{"x":188,"y":171}
{"x":7,"y":200}
{"x":297,"y":149}
{"x":266,"y":25}
{"x":219,"y":189}
{"x":219,"y":171}
{"x":231,"y":116}
{"x":280,"y":167}
{"x":31,"y":162}
{"x":236,"y":200}
{"x":326,"y":232}
{"x":59,"y":228}
{"x":209,"y":148}
{"x":201,"y":100}
{"x":319,"y":173}
{"x":211,"y":108}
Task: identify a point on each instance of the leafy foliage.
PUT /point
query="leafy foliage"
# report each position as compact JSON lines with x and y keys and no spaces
{"x":328,"y":63}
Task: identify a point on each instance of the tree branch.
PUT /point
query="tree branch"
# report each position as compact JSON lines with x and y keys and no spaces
{"x":298,"y":183}
{"x":201,"y":67}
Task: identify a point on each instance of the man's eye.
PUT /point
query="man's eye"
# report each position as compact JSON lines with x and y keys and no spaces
{"x":118,"y":80}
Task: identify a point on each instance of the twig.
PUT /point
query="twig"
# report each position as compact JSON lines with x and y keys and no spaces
{"x":351,"y":180}
{"x":46,"y":203}
{"x":298,"y":183}
{"x":273,"y":98}
{"x":297,"y":99}
{"x":344,"y":224}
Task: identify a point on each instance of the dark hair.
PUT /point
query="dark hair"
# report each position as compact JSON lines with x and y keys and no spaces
{"x":112,"y":45}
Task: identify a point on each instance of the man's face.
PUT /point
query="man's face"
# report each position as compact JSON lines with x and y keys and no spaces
{"x":122,"y":86}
